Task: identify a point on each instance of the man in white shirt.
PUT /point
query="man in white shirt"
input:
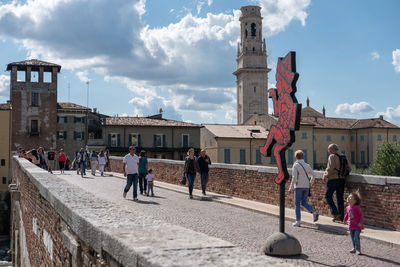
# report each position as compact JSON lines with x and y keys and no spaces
{"x":131,"y":167}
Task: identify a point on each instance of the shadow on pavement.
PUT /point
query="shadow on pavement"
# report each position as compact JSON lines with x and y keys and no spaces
{"x":383,"y":260}
{"x":305,"y":257}
{"x":139,"y":201}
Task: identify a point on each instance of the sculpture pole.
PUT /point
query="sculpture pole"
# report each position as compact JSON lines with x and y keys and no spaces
{"x":280,"y":137}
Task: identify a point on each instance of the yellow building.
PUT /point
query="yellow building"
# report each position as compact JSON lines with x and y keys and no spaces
{"x":357,"y":138}
{"x":5,"y":142}
{"x":238,"y":144}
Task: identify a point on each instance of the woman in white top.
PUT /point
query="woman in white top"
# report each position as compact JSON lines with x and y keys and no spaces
{"x":102,"y":161}
{"x":301,"y":172}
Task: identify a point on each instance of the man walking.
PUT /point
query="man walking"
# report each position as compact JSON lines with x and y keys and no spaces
{"x":51,"y":160}
{"x":131,"y":167}
{"x":335,"y":183}
{"x":202,"y":162}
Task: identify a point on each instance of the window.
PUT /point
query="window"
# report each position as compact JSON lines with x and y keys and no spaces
{"x":34,"y":127}
{"x":394,"y":138}
{"x":21,"y":76}
{"x":34,"y":99}
{"x":113,"y":140}
{"x":62,"y":119}
{"x":3,"y":162}
{"x":352,"y":138}
{"x":255,"y":89}
{"x":314,"y":137}
{"x":379,"y":137}
{"x":159,"y":140}
{"x":352,"y":157}
{"x":79,"y":136}
{"x":253,"y":29}
{"x":47,"y":77}
{"x":328,"y":138}
{"x":79,"y":119}
{"x":4,"y":180}
{"x":61,"y":135}
{"x":242,"y":156}
{"x":303,"y":135}
{"x":305,"y":155}
{"x":185,"y":140}
{"x":133,"y":139}
{"x":343,"y":138}
{"x":362,"y":138}
{"x":290,"y":156}
{"x":34,"y":76}
{"x":258,"y":157}
{"x":227,"y":155}
{"x":363,"y":157}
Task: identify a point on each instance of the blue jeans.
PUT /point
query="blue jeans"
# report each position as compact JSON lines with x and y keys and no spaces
{"x":204,"y":181}
{"x":132,"y":179}
{"x":338,"y":186}
{"x":82,"y":166}
{"x":300,"y":197}
{"x":355,"y":238}
{"x":191,"y":177}
{"x":142,"y":183}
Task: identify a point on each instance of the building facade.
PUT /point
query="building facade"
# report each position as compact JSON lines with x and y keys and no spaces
{"x":33,"y":95}
{"x":5,"y":146}
{"x":160,"y":138}
{"x":252,"y":71}
{"x":236,"y":144}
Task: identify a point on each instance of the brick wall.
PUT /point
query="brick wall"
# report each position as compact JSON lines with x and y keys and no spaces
{"x":380,"y":195}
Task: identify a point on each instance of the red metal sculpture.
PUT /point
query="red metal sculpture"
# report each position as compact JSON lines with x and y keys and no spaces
{"x":282,"y":135}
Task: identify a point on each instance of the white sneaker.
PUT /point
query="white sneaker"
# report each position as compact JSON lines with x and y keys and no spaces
{"x":296,"y":224}
{"x":358,"y":252}
{"x":353,"y":250}
{"x":124,"y":194}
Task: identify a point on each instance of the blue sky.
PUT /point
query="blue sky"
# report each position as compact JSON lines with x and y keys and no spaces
{"x":179,"y":55}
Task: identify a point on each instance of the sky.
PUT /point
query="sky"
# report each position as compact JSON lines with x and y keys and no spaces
{"x":179,"y":55}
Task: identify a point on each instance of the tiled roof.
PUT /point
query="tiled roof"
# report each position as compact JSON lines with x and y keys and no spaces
{"x":143,"y":121}
{"x":310,"y":112}
{"x":329,"y":123}
{"x":373,"y":123}
{"x":66,"y":105}
{"x":5,"y":106}
{"x":237,"y":131}
{"x":33,"y":63}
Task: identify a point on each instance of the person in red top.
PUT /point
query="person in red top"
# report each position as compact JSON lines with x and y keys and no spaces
{"x":61,"y":160}
{"x":355,"y":217}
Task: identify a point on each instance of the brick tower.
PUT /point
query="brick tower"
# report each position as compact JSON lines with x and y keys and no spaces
{"x":33,"y":95}
{"x":252,"y":71}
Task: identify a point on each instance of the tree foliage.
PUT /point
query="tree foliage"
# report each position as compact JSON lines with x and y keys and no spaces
{"x":388,"y":160}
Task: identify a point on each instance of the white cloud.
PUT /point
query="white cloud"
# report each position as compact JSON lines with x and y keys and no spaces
{"x":279,"y":13}
{"x":4,"y":85}
{"x":396,"y":60}
{"x":354,"y":109}
{"x":199,"y":6}
{"x":391,"y":114}
{"x":375,"y":55}
{"x":83,"y":76}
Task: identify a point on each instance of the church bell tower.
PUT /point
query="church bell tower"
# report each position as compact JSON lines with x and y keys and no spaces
{"x":252,"y":71}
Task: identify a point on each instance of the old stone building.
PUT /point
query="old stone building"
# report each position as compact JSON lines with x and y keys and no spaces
{"x":252,"y":71}
{"x":160,"y":138}
{"x":33,"y":95}
{"x":5,"y":145}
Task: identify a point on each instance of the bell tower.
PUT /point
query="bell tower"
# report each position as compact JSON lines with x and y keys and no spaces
{"x":252,"y":71}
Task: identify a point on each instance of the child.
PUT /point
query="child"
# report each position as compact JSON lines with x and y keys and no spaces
{"x":355,"y":217}
{"x":150,"y":178}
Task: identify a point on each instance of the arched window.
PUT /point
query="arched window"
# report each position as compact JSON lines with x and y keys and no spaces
{"x":245,"y":33}
{"x":253,"y":29}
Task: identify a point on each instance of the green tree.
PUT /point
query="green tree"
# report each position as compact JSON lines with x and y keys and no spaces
{"x":388,"y":160}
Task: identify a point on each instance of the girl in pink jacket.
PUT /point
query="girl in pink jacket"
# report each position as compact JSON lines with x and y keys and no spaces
{"x":355,"y":217}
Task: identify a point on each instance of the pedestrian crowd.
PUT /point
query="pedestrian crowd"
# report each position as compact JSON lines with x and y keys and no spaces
{"x":83,"y":159}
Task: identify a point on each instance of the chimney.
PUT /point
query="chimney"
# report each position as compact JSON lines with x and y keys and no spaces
{"x":94,"y":110}
{"x":323,"y":111}
{"x":381,"y":117}
{"x":308,"y":102}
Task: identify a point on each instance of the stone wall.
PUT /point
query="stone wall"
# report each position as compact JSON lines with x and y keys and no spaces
{"x":380,"y":195}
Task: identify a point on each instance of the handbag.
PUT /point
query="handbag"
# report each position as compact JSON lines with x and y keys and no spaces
{"x":183,"y":181}
{"x":309,"y":188}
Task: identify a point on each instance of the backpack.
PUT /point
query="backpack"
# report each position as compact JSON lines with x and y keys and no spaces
{"x":344,"y":169}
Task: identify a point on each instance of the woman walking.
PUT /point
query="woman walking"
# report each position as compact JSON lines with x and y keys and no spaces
{"x":61,"y":160}
{"x":102,"y":161}
{"x":301,"y":172}
{"x":190,"y":169}
{"x":42,"y":156}
{"x":143,"y":164}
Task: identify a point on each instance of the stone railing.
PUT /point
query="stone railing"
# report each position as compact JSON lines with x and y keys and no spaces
{"x":55,"y":223}
{"x":380,"y":194}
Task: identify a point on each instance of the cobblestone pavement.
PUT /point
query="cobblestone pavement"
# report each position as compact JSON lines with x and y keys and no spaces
{"x":241,"y":227}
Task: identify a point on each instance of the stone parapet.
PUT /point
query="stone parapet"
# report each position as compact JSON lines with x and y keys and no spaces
{"x":380,"y":194}
{"x":59,"y":224}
